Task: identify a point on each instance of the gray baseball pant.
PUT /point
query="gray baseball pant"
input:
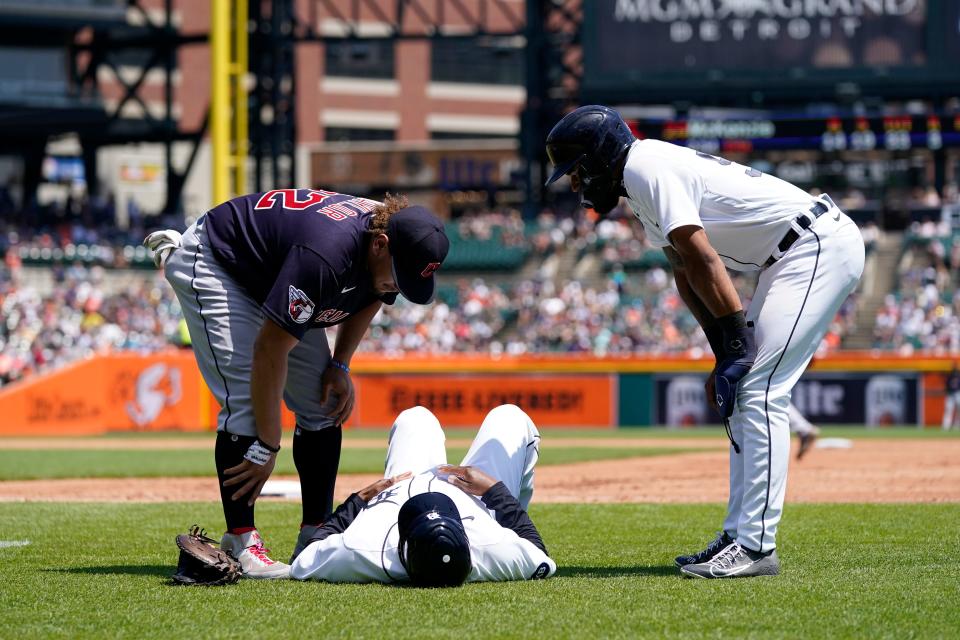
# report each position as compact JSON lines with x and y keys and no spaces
{"x":224,"y":322}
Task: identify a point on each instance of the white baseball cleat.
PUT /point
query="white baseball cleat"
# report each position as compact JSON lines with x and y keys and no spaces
{"x":735,"y":562}
{"x":718,"y":544}
{"x":249,"y":551}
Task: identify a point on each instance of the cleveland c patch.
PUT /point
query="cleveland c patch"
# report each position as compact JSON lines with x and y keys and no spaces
{"x":301,"y":307}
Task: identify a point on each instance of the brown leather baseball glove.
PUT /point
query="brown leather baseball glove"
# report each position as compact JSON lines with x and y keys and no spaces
{"x":202,"y":563}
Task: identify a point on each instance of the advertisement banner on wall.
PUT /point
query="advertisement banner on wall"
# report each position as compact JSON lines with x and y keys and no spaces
{"x":464,"y":400}
{"x":828,"y":398}
{"x":125,"y":392}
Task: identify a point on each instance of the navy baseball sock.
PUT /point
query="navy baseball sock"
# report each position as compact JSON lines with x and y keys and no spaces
{"x":229,"y":453}
{"x":317,"y":456}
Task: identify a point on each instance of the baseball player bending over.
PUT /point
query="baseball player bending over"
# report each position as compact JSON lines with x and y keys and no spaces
{"x":434,"y":524}
{"x":708,"y":213}
{"x":259,"y":278}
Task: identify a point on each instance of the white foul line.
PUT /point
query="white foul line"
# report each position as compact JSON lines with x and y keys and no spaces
{"x":13,"y":543}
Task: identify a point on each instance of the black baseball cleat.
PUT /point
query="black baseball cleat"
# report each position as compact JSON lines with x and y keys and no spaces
{"x":806,"y":442}
{"x":716,"y":546}
{"x":735,"y":561}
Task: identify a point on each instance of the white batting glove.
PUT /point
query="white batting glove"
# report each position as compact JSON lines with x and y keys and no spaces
{"x":162,"y":243}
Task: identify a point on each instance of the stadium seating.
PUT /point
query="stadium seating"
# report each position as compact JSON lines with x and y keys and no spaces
{"x":473,"y":254}
{"x":922,"y":313}
{"x":129,"y":256}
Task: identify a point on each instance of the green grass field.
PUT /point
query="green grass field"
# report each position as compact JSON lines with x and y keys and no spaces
{"x":96,"y":570}
{"x":32,"y":464}
{"x":840,"y":431}
{"x":101,"y":571}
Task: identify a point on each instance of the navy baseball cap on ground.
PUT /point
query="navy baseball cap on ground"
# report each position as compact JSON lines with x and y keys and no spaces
{"x":418,"y":245}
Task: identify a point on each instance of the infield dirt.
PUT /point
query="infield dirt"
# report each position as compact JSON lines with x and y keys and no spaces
{"x":872,"y":471}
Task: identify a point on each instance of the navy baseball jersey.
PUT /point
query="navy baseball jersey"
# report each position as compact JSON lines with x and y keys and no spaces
{"x":298,"y":252}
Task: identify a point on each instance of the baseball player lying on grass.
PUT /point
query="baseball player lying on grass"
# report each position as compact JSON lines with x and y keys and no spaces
{"x":434,"y":524}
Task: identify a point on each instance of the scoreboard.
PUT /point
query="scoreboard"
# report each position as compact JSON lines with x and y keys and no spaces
{"x":768,"y":51}
{"x":830,"y":134}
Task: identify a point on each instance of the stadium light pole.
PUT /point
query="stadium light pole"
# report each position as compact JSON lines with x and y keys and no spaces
{"x":219,"y":98}
{"x":228,"y":98}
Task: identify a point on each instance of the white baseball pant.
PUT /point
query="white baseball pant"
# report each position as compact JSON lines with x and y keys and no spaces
{"x":796,"y":299}
{"x":506,"y":447}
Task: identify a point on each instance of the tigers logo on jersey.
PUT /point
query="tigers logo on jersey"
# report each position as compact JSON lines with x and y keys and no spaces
{"x":301,"y":307}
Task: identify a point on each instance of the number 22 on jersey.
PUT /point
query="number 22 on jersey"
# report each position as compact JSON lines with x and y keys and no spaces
{"x":288,"y":199}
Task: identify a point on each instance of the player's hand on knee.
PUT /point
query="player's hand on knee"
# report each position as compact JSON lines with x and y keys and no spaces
{"x":468,"y":479}
{"x":250,"y":477}
{"x":337,"y":383}
{"x":371,"y":490}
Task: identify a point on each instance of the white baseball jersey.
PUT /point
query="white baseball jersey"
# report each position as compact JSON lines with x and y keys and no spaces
{"x":744,"y":212}
{"x":367,"y":550}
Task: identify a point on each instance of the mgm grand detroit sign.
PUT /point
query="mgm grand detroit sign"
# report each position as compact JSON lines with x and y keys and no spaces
{"x":889,"y":31}
{"x":803,"y":17}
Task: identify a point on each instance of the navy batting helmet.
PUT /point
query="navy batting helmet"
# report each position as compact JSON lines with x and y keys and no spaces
{"x":433,"y":544}
{"x":593,"y":140}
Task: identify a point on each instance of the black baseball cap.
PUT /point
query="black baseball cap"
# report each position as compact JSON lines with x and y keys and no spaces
{"x":418,"y":245}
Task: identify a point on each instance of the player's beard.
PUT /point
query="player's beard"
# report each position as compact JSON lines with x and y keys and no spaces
{"x":600,"y":195}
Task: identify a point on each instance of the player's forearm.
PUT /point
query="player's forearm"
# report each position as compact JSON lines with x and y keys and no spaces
{"x":705,"y":273}
{"x":692,"y":300}
{"x":341,"y":518}
{"x":269,"y":372}
{"x":709,"y":280}
{"x":508,"y":513}
{"x":351,"y":332}
{"x":708,"y":323}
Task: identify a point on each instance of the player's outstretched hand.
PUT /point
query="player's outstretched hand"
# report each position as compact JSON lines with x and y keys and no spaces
{"x":368,"y":492}
{"x":251,"y":477}
{"x":337,"y":382}
{"x":468,"y":479}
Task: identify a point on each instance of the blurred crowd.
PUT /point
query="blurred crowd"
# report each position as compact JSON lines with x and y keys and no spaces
{"x":79,"y":319}
{"x":80,"y":228}
{"x":924,"y":312}
{"x":623,"y":302}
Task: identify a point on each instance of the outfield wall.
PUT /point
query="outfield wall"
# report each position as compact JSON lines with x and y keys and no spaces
{"x":158,"y":392}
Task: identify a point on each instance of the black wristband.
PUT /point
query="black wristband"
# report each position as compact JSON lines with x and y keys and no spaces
{"x":734,"y":328}
{"x":733,"y":321}
{"x":714,"y":335}
{"x":268,"y":447}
